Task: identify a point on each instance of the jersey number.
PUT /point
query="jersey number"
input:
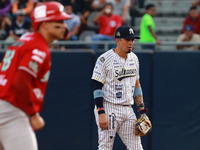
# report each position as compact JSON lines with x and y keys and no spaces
{"x":7,"y":60}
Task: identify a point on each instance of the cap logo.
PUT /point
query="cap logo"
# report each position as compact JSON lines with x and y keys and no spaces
{"x":40,"y":12}
{"x":118,"y":34}
{"x":131,"y":31}
{"x":62,"y":8}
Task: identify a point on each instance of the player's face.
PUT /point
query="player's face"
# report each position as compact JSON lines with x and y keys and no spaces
{"x":56,"y":29}
{"x":126,"y":45}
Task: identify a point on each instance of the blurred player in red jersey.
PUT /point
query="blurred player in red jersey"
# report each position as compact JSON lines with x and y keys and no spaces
{"x":24,"y":75}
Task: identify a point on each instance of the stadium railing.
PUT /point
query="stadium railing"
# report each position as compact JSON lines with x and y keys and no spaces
{"x":105,"y":45}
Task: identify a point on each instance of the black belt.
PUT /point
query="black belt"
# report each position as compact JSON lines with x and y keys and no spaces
{"x":126,"y":105}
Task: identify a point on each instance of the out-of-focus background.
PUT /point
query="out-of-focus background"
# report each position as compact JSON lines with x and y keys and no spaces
{"x":169,"y":74}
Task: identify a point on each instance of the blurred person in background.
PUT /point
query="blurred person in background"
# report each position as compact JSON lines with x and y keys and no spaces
{"x":148,"y":28}
{"x":24,"y":6}
{"x":196,"y":3}
{"x":19,"y":27}
{"x":82,"y":9}
{"x":73,"y":25}
{"x":98,"y":5}
{"x":89,"y":2}
{"x":121,"y":8}
{"x":5,"y":6}
{"x":108,"y":23}
{"x":133,"y":13}
{"x":141,"y":3}
{"x":188,"y":36}
{"x":193,"y":19}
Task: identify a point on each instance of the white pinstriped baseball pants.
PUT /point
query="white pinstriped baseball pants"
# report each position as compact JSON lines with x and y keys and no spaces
{"x":121,"y":120}
{"x":16,"y":132}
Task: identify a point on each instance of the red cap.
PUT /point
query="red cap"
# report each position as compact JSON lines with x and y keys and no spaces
{"x":48,"y":11}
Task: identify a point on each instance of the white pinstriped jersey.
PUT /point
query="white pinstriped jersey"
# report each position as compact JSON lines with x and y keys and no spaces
{"x":118,"y":76}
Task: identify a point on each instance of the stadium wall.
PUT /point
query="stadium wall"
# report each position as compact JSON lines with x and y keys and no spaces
{"x":170,"y":82}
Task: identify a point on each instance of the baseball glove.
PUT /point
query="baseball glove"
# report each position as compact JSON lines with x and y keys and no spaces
{"x":142,"y":125}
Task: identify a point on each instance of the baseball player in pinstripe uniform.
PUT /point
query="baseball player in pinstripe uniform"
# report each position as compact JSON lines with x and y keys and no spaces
{"x":116,"y":86}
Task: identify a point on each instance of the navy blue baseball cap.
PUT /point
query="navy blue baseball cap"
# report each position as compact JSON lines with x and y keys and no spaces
{"x":125,"y":32}
{"x":189,"y":28}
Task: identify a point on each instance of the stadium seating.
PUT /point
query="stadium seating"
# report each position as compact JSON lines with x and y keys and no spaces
{"x":169,"y":19}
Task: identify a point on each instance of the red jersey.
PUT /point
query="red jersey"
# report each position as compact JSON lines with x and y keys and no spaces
{"x":108,"y":25}
{"x":31,"y":54}
{"x":193,"y":22}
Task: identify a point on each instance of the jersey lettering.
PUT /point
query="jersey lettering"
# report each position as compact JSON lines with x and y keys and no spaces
{"x":46,"y":77}
{"x":3,"y":81}
{"x":7,"y":60}
{"x":38,"y":93}
{"x":124,"y":73}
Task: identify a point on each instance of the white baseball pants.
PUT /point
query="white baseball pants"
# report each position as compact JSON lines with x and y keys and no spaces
{"x":16,"y":132}
{"x":121,"y":120}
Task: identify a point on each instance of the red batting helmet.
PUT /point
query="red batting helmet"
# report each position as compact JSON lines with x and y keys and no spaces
{"x":48,"y":11}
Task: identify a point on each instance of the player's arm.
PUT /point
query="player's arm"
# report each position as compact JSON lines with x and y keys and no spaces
{"x":98,"y":98}
{"x":22,"y":85}
{"x":138,"y":97}
{"x":143,"y":124}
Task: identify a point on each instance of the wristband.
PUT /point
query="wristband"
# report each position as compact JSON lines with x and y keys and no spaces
{"x":143,"y":111}
{"x":100,"y":110}
{"x":98,"y":93}
{"x":138,"y":91}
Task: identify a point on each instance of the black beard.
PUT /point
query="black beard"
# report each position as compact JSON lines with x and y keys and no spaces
{"x":128,"y":51}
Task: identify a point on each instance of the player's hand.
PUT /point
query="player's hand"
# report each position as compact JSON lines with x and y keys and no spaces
{"x":37,"y":122}
{"x":103,"y":121}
